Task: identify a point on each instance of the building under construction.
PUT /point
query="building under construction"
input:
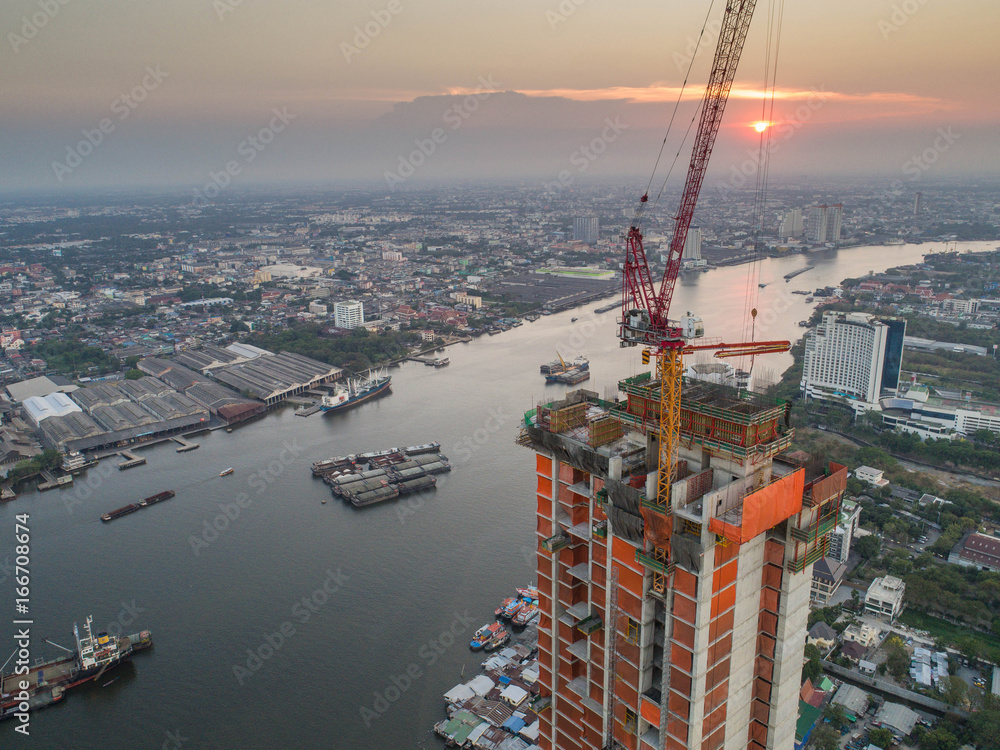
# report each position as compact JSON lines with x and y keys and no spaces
{"x":674,"y":620}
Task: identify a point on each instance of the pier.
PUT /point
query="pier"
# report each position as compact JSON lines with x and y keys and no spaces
{"x":131,"y":460}
{"x":52,"y":481}
{"x":185,"y":445}
{"x":431,"y":361}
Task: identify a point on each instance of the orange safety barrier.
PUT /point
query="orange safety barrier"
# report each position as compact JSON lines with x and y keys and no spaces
{"x":764,"y":509}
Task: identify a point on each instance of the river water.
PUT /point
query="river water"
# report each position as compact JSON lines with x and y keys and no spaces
{"x":392,"y":592}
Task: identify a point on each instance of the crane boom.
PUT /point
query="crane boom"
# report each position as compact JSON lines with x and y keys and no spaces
{"x":639,"y":293}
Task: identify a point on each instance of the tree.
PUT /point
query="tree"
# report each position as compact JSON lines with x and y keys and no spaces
{"x":825,"y":737}
{"x":897,"y":659}
{"x":134,"y":374}
{"x":834,"y":713}
{"x":941,"y":739}
{"x":868,"y":546}
{"x":881,"y":737}
{"x":954,"y":691}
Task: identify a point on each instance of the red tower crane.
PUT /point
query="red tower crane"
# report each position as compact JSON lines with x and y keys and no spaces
{"x":644,"y":319}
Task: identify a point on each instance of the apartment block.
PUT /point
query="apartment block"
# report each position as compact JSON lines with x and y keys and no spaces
{"x":678,"y":621}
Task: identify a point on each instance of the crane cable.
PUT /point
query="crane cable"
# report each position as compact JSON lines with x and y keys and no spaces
{"x":637,"y":217}
{"x":776,"y":11}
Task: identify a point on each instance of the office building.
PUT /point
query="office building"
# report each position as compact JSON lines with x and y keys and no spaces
{"x":350,"y":314}
{"x":673,"y":622}
{"x":586,"y":229}
{"x":853,"y":357}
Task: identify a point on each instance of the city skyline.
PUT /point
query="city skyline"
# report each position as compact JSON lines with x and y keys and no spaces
{"x":171,"y":96}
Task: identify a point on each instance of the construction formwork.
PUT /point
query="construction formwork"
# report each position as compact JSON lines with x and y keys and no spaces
{"x":723,"y":421}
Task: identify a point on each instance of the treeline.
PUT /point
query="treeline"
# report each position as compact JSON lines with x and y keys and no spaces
{"x":356,"y":351}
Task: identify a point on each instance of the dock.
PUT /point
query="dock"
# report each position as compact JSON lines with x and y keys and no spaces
{"x":431,"y":361}
{"x":52,"y":481}
{"x":185,"y":445}
{"x":131,"y":460}
{"x":308,"y":411}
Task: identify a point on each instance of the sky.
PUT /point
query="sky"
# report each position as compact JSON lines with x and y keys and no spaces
{"x":208,"y":94}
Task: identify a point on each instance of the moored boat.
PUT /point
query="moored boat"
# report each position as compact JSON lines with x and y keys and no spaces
{"x":357,"y":391}
{"x":486,"y":634}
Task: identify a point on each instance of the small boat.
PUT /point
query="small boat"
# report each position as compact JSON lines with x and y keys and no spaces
{"x":503,"y":606}
{"x":227,"y":472}
{"x":528,"y":614}
{"x":573,"y":320}
{"x":528,"y":593}
{"x":511,"y":609}
{"x":762,"y":285}
{"x":110,"y":681}
{"x":499,"y":639}
{"x":486,"y":634}
{"x":809,"y":299}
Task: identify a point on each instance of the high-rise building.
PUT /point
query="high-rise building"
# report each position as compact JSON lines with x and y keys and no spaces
{"x":692,"y":244}
{"x":843,"y":534}
{"x":586,"y":229}
{"x":673,"y":622}
{"x":918,"y":202}
{"x":349,"y":314}
{"x":824,"y":223}
{"x":791,"y":225}
{"x":853,"y":356}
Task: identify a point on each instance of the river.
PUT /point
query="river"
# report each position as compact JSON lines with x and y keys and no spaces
{"x":239,"y":660}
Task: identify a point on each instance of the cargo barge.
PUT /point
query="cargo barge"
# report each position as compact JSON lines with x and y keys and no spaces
{"x":46,"y":682}
{"x":125,"y":510}
{"x":793,"y":274}
{"x":368,"y":478}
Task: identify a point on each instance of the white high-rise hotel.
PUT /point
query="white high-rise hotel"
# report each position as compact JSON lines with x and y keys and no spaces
{"x":853,"y":356}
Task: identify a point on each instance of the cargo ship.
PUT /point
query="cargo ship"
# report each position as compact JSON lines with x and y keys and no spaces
{"x":357,"y":391}
{"x":48,"y":681}
{"x":557,"y":366}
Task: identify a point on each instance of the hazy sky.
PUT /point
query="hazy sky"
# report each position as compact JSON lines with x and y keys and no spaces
{"x":176,"y":91}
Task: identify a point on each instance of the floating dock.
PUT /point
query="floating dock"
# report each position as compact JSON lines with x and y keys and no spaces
{"x":131,"y":460}
{"x":185,"y":445}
